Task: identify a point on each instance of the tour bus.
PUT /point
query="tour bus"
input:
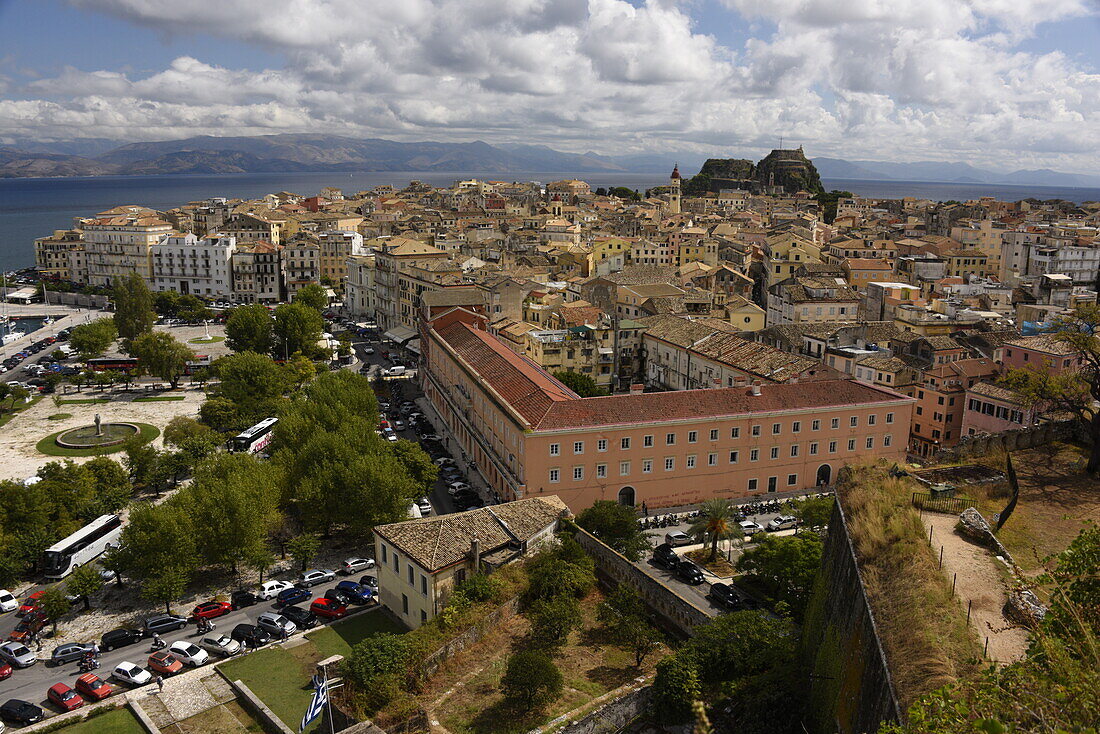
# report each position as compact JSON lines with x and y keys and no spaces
{"x":118,"y":364}
{"x":254,"y":439}
{"x":83,"y":546}
{"x":200,"y":361}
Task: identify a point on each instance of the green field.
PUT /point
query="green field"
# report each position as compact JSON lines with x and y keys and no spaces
{"x":158,"y":398}
{"x":86,"y":401}
{"x":119,"y":721}
{"x":338,"y":639}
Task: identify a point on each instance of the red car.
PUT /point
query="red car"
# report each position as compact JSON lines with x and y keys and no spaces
{"x":93,"y":687}
{"x":164,"y":663}
{"x":328,"y":608}
{"x":5,"y":671}
{"x":211,"y":609}
{"x":30,"y":603}
{"x":64,"y":697}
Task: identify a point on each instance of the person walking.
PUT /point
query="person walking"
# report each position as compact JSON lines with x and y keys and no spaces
{"x":160,"y":683}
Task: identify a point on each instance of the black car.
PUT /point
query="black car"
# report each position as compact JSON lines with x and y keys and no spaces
{"x":243,"y":599}
{"x":120,"y":638}
{"x":340,"y":597}
{"x":18,"y":711}
{"x":725,"y":596}
{"x":250,"y":635}
{"x":303,"y":618}
{"x":665,"y":556}
{"x":689,"y":573}
{"x":159,"y":623}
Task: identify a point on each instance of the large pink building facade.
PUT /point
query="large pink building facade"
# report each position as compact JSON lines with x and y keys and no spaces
{"x":530,"y":435}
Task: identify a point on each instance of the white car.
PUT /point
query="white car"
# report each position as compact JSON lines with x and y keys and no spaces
{"x":444,"y":461}
{"x":354,"y":565}
{"x":748,"y":527}
{"x":399,"y":425}
{"x":368,"y":350}
{"x":8,"y":603}
{"x":456,"y":487}
{"x":425,"y":506}
{"x":271,"y":589}
{"x":132,"y":674}
{"x":390,"y":436}
{"x":783,"y":522}
{"x":221,"y":645}
{"x":190,"y":653}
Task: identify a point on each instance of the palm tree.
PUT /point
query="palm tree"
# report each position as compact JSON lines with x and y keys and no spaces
{"x":716,"y":521}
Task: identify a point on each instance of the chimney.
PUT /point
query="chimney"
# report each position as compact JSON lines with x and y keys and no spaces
{"x":637,"y":388}
{"x":740,"y":381}
{"x":756,"y":387}
{"x":475,"y":554}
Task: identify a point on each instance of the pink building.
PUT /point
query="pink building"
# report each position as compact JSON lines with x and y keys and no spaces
{"x":530,"y":436}
{"x":991,"y":408}
{"x":1039,"y":352}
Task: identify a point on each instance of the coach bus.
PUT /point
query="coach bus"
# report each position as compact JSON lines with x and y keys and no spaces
{"x":83,"y":546}
{"x":254,"y":439}
{"x":118,"y":364}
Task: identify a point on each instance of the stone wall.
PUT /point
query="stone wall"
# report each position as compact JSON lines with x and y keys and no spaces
{"x":850,"y":688}
{"x":679,"y":614}
{"x":1022,"y":438}
{"x":614,"y":715}
{"x":79,"y":299}
{"x":502,"y":613}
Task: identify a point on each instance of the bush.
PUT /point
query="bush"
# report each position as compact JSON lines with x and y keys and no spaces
{"x":675,"y":688}
{"x":477,"y":588}
{"x":617,"y":526}
{"x":531,"y":680}
{"x":553,"y":619}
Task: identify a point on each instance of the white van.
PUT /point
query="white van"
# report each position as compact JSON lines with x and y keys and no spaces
{"x":396,"y":370}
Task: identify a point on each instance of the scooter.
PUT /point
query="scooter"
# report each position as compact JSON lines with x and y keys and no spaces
{"x":158,"y":643}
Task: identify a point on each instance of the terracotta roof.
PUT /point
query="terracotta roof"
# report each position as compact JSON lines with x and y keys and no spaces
{"x":718,"y":403}
{"x":437,"y":542}
{"x":1041,"y":343}
{"x":996,"y":392}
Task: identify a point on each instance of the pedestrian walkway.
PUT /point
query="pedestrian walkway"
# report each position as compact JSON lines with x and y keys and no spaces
{"x":186,"y":695}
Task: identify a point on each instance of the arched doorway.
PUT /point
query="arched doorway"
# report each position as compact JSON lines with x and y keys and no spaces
{"x":626,"y":496}
{"x":824,"y":475}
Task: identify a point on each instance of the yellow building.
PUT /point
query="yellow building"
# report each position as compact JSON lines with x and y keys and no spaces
{"x":965,"y":263}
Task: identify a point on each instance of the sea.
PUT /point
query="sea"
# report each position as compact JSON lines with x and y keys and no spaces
{"x":35,"y":207}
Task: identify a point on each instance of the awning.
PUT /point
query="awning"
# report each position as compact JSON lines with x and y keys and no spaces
{"x":413,"y":346}
{"x":400,"y":334}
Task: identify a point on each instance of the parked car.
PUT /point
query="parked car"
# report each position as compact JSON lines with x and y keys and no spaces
{"x":8,"y":603}
{"x":242,"y":598}
{"x":250,"y":635}
{"x":399,"y":425}
{"x":18,"y":711}
{"x":425,"y":506}
{"x":63,"y":697}
{"x":120,"y":638}
{"x":677,"y":538}
{"x":189,"y":653}
{"x":689,"y":573}
{"x":276,"y":624}
{"x":328,"y":608}
{"x":18,"y":655}
{"x":293,"y":595}
{"x":783,"y":522}
{"x":5,"y":671}
{"x":368,"y":350}
{"x":725,"y":596}
{"x":371,"y":582}
{"x":30,"y":603}
{"x":355,"y":565}
{"x":444,"y":461}
{"x":161,"y":623}
{"x":355,"y":592}
{"x":220,"y":645}
{"x":303,"y":619}
{"x":93,"y":687}
{"x":72,"y":651}
{"x":456,"y":487}
{"x":748,"y":527}
{"x":211,"y":609}
{"x":271,"y":589}
{"x":394,"y":371}
{"x":165,"y":663}
{"x":665,"y":556}
{"x":131,"y":674}
{"x":390,"y":436}
{"x":315,"y":576}
{"x":338,"y":596}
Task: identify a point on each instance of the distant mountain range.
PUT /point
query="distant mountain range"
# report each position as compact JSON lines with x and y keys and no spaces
{"x":298,"y":152}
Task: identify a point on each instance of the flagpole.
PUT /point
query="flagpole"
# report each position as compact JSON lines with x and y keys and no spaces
{"x":328,"y":702}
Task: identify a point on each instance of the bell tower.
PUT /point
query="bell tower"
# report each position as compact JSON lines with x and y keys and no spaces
{"x":674,"y":191}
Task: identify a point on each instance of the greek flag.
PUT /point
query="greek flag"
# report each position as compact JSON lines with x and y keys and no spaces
{"x":317,"y":704}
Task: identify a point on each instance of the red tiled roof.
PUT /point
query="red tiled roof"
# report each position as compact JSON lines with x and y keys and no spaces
{"x":723,"y":402}
{"x":530,"y":390}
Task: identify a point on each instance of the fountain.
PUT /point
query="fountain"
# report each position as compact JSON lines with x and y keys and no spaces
{"x":97,"y":436}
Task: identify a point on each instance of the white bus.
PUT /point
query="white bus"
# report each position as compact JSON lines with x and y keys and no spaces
{"x":83,"y":546}
{"x":254,"y":439}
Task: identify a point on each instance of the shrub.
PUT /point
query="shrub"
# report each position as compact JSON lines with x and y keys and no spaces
{"x":675,"y":688}
{"x":531,"y":680}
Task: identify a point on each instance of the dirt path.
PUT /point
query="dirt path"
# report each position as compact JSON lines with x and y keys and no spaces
{"x":980,"y":581}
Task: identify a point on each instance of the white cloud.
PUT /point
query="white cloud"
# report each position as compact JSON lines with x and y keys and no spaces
{"x":892,"y":79}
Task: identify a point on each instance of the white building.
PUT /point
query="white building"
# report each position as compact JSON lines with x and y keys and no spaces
{"x":188,"y":264}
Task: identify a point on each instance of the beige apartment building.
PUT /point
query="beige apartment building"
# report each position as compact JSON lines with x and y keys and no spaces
{"x":119,"y":241}
{"x":334,"y":247}
{"x":396,"y":294}
{"x":51,"y":254}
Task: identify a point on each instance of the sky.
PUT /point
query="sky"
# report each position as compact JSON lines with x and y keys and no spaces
{"x":1004,"y":84}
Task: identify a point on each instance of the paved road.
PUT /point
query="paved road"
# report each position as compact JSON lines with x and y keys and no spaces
{"x":31,"y":684}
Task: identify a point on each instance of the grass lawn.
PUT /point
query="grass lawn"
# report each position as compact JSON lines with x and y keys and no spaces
{"x":230,"y":718}
{"x":338,"y":639}
{"x":279,"y":678}
{"x":119,"y":721}
{"x":49,"y":447}
{"x":158,"y":398}
{"x":206,"y":340}
{"x":7,"y":415}
{"x":59,"y":416}
{"x":86,"y":401}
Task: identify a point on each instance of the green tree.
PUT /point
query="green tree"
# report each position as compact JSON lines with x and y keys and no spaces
{"x":92,"y":339}
{"x":114,"y":561}
{"x":785,"y":567}
{"x":112,"y":487}
{"x":531,"y":680}
{"x":303,"y":549}
{"x":675,"y":688}
{"x":739,"y":645}
{"x":193,"y":308}
{"x":624,"y":616}
{"x":182,"y":430}
{"x":559,"y":571}
{"x":616,"y":525}
{"x":162,"y":355}
{"x":134,"y":314}
{"x":377,"y":669}
{"x":157,"y":550}
{"x":417,"y":463}
{"x":54,"y":604}
{"x":313,"y":296}
{"x":814,"y":512}
{"x":250,"y":329}
{"x":223,"y":415}
{"x":84,"y":581}
{"x":298,"y":370}
{"x":250,"y":380}
{"x":298,"y":328}
{"x":716,"y":522}
{"x":553,"y":619}
{"x":580,"y":383}
{"x":166,"y":303}
{"x":141,"y":462}
{"x":1071,"y":392}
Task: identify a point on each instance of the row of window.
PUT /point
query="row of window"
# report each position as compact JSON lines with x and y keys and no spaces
{"x":411,"y":573}
{"x":735,"y":432}
{"x":692,"y":461}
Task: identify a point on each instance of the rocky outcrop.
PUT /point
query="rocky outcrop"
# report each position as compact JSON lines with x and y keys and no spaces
{"x":789,"y":169}
{"x":721,"y":173}
{"x":1024,"y":608}
{"x":972,"y":525}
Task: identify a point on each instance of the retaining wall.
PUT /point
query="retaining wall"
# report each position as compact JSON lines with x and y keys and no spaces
{"x":471,"y":636}
{"x":1021,"y":438}
{"x":613,"y":715}
{"x":79,"y":299}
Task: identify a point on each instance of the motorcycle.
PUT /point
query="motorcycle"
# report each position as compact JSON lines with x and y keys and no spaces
{"x":158,"y":643}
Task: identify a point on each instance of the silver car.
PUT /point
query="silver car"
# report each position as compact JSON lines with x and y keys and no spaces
{"x":276,"y":624}
{"x":72,"y":651}
{"x":221,"y":645}
{"x":18,"y":654}
{"x":315,"y":576}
